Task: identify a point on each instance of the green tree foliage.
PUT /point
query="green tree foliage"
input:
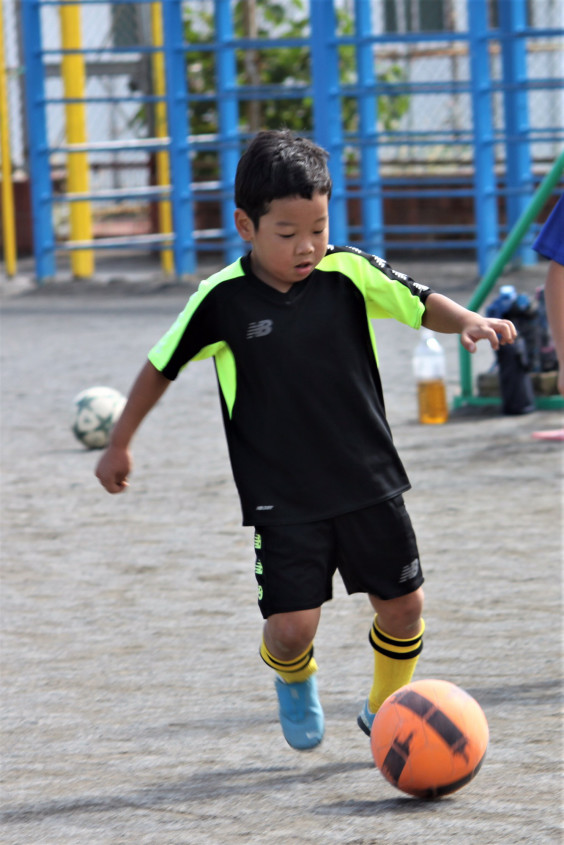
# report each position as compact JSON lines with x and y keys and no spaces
{"x":278,"y":67}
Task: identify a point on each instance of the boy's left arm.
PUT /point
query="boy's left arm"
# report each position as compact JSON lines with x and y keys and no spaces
{"x":444,"y":315}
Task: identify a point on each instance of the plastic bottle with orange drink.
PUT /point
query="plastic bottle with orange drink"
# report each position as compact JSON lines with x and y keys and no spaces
{"x":429,"y":368}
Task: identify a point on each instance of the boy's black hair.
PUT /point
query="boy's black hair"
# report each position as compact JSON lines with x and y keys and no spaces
{"x":279,"y":164}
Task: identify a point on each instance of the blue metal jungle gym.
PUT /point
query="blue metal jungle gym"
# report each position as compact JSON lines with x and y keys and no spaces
{"x":498,"y":135}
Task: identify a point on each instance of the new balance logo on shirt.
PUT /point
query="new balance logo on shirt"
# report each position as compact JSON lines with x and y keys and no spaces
{"x":259,"y":329}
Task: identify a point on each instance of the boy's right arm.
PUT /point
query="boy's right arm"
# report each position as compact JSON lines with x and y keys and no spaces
{"x":115,"y":464}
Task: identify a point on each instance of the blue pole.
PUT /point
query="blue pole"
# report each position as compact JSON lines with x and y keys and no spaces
{"x":184,"y":251}
{"x":39,"y":167}
{"x":328,"y":128}
{"x":485,"y":200}
{"x":519,"y":181}
{"x":372,"y":202}
{"x":228,"y":110}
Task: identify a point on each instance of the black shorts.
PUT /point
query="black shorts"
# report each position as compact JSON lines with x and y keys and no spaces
{"x":374,"y":549}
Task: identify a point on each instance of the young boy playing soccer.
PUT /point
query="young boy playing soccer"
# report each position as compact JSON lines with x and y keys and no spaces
{"x":312,"y":455}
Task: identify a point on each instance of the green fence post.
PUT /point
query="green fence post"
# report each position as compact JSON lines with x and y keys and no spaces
{"x":497,"y":266}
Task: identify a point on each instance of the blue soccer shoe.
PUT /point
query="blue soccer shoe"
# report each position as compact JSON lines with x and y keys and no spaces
{"x":301,"y":714}
{"x":365,"y":719}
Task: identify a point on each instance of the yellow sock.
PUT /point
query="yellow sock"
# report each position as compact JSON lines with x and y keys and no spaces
{"x":291,"y":671}
{"x":394,"y":663}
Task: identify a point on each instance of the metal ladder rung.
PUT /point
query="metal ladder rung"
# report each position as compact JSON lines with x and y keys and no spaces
{"x":118,"y":243}
{"x":208,"y":234}
{"x":116,"y":194}
{"x":113,"y":146}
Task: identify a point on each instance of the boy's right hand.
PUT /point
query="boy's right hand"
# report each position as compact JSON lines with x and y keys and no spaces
{"x":116,"y":463}
{"x":113,"y":469}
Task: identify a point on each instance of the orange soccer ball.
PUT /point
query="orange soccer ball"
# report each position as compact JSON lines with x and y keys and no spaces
{"x":429,"y":738}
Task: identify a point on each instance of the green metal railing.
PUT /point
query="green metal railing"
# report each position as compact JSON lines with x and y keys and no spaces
{"x":508,"y":248}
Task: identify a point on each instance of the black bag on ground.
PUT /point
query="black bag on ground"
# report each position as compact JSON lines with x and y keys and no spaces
{"x":516,"y":389}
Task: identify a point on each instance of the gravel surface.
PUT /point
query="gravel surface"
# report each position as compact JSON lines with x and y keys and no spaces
{"x":135,"y":708}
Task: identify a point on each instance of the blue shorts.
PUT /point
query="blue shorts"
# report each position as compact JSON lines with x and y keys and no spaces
{"x":374,"y":549}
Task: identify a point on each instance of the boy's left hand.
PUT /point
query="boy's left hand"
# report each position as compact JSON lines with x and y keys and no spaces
{"x":498,"y":332}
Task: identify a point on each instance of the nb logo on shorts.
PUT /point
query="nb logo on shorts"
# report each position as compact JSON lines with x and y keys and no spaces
{"x":409,"y":571}
{"x":259,"y":329}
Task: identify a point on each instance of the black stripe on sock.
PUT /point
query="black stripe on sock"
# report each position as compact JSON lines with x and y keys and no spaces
{"x":376,"y":634}
{"x":398,"y":655}
{"x":290,"y":666}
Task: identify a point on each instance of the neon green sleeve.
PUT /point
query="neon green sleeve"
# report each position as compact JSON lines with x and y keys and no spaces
{"x":387,"y":293}
{"x":191,"y":330}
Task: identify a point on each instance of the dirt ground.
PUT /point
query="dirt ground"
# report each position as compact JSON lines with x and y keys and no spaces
{"x":135,"y":708}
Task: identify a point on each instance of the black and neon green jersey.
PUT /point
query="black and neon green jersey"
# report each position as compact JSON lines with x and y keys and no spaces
{"x":299,"y":384}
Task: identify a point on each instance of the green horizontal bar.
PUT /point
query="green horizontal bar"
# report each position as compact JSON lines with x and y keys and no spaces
{"x":542,"y":403}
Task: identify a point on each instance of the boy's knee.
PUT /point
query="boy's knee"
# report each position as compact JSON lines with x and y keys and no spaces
{"x":400,"y":617}
{"x":288,"y":635}
{"x":413,"y":605}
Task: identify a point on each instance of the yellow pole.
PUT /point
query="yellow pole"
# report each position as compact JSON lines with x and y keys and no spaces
{"x":161,"y":131}
{"x":74,"y":81}
{"x":8,"y":214}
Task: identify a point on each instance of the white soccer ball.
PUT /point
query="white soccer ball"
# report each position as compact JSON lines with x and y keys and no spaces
{"x":95,"y":412}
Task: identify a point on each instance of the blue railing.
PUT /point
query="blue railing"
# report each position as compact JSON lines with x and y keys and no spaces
{"x":501,"y":166}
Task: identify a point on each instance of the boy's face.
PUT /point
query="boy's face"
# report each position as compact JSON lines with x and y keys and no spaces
{"x":290,"y":241}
